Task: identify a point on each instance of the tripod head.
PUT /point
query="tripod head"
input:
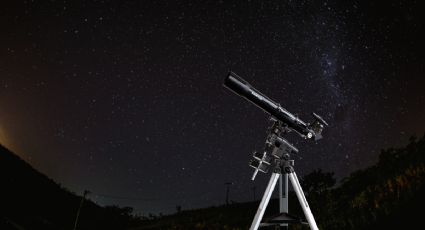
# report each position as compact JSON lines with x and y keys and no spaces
{"x":277,"y":150}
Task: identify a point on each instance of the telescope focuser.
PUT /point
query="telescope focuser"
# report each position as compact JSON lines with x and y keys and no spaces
{"x":317,"y":126}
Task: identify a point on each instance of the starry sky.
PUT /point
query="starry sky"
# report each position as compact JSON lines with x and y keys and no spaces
{"x":125,"y":98}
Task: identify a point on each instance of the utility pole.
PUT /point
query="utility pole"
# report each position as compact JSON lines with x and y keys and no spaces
{"x":86,"y":192}
{"x":227,"y":191}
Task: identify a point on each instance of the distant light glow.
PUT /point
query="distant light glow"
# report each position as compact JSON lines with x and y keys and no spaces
{"x":3,"y":138}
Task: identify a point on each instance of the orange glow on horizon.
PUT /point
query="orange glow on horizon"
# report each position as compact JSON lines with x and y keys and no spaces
{"x":4,"y":140}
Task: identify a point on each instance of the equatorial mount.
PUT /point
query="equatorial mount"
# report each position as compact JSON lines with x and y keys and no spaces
{"x":277,"y":150}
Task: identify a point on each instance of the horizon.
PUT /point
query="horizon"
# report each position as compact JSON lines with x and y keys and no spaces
{"x":147,"y":213}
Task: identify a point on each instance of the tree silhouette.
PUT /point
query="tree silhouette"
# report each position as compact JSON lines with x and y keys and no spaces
{"x":317,"y":182}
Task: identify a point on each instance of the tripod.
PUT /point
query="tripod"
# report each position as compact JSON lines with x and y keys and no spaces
{"x":277,"y":155}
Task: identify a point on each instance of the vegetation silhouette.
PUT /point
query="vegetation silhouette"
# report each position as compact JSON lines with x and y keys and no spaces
{"x":388,"y":195}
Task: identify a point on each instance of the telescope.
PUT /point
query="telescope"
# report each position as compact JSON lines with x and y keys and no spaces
{"x":277,"y":154}
{"x":290,"y":121}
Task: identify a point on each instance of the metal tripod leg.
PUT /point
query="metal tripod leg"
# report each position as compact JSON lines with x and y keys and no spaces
{"x":303,"y":202}
{"x":264,"y":201}
{"x":283,"y":195}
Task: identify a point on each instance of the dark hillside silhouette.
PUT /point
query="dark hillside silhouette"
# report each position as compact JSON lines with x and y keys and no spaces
{"x":30,"y":200}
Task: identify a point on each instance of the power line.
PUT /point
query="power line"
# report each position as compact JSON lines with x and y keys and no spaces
{"x":126,"y":198}
{"x":116,"y":197}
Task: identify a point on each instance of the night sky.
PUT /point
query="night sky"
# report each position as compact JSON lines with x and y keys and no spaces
{"x":125,"y":98}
